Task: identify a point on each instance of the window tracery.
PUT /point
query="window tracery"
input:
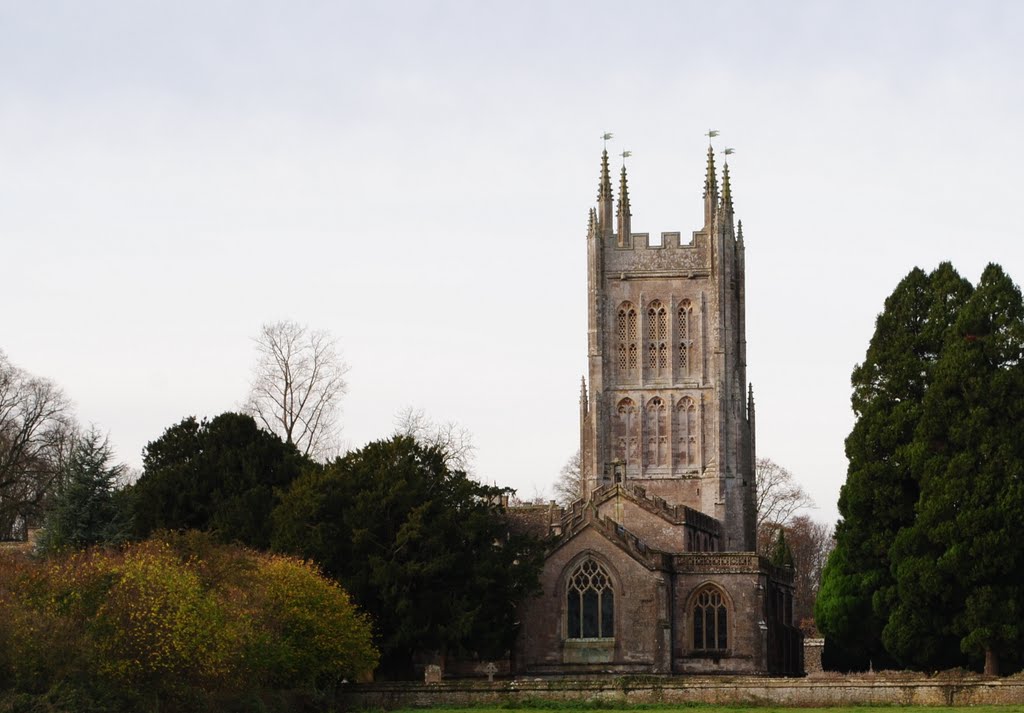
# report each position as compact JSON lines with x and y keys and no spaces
{"x":657,"y":335}
{"x":590,"y":602}
{"x":684,"y":317}
{"x":626,"y":328}
{"x":710,"y":620}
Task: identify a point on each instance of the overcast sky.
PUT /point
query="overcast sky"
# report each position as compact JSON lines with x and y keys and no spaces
{"x":415,"y":177}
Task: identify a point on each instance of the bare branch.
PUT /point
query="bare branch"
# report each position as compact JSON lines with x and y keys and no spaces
{"x":568,"y":486}
{"x":454,"y":439}
{"x":36,"y":433}
{"x":297,"y":386}
{"x":779,"y":496}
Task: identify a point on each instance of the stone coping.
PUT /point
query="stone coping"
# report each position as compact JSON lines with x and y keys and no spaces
{"x":820,"y":690}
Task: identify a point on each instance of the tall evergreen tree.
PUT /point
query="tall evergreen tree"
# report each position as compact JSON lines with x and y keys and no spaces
{"x":86,"y":510}
{"x":961,"y":564}
{"x":858,"y":591}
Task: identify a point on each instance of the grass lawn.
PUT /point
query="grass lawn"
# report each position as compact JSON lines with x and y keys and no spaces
{"x":707,"y":708}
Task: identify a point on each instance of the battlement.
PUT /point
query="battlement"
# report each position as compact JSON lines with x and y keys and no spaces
{"x":671,"y":240}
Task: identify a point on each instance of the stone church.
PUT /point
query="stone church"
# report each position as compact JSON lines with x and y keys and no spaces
{"x":653,"y":570}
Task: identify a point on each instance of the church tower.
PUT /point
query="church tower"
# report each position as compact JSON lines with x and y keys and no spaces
{"x":668,"y":406}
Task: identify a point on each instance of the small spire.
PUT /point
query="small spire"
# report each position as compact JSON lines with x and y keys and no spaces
{"x":710,"y":190}
{"x":604,"y":198}
{"x":604,"y":186}
{"x":623,"y":213}
{"x":710,"y":180}
{"x":726,"y":188}
{"x":583,"y":388}
{"x":739,"y":231}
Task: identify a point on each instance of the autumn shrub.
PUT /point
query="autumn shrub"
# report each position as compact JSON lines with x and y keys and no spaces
{"x":310,"y":633}
{"x":175,"y":617}
{"x":158,"y":627}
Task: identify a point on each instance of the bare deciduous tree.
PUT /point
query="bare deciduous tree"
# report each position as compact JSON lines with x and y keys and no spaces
{"x":568,"y":486}
{"x":36,"y":433}
{"x":779,"y":497}
{"x":454,"y":439}
{"x":297,"y":385}
{"x":810,"y":542}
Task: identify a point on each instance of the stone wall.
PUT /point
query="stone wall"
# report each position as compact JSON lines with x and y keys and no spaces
{"x":900,"y":689}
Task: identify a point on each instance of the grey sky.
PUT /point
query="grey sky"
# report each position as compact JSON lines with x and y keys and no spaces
{"x":176,"y":173}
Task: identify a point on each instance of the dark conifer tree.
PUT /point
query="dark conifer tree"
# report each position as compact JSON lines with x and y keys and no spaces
{"x":422,"y":548}
{"x":857,"y":592}
{"x":221,"y":475}
{"x":86,"y":510}
{"x":960,"y":567}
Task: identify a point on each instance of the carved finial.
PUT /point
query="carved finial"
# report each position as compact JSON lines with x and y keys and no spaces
{"x":591,"y":222}
{"x":739,"y":231}
{"x":583,"y":387}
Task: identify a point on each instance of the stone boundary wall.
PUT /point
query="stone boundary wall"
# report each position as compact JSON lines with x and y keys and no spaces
{"x":900,"y":690}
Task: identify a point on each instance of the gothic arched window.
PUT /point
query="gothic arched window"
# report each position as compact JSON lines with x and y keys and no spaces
{"x":687,"y":429}
{"x":656,"y":432}
{"x":625,"y":331}
{"x":657,"y":334}
{"x":710,"y":620}
{"x":684,"y":328}
{"x":589,"y":602}
{"x":624,"y":431}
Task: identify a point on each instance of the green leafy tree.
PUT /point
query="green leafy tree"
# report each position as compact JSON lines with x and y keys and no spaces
{"x":86,"y":510}
{"x":423,"y":549}
{"x":961,"y":565}
{"x":219,"y":475}
{"x":858,"y":591}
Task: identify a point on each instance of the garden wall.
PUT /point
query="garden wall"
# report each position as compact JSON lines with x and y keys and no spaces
{"x":829,"y":690}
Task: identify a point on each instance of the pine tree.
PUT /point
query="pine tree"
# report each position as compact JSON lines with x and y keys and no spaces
{"x":858,"y":591}
{"x":86,"y":510}
{"x":961,"y":564}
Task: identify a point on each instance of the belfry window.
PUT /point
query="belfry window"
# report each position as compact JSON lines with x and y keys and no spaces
{"x":684,"y":317}
{"x":710,"y":620}
{"x":657,"y":334}
{"x":590,"y":602}
{"x":625,"y":331}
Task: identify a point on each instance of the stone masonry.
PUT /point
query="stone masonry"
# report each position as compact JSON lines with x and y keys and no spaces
{"x":652,"y":570}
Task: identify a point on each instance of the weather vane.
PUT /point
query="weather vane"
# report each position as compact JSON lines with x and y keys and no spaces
{"x":605,"y":136}
{"x":729,"y":152}
{"x":712,"y":133}
{"x":625,"y":155}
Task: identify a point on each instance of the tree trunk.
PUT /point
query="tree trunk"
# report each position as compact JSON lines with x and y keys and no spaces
{"x":991,"y":663}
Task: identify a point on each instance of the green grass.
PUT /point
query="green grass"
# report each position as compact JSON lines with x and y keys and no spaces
{"x":596,"y":707}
